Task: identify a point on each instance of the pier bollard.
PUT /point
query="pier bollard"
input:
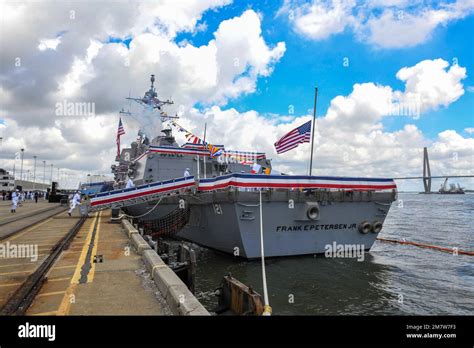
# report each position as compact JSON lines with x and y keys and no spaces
{"x":115,"y":215}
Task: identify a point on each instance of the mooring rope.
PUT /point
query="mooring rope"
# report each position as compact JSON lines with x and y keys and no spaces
{"x":139,"y":216}
{"x":267,"y":310}
{"x":428,"y":246}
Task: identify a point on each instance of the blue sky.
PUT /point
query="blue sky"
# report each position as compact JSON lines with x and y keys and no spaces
{"x":64,"y":61}
{"x":307,"y":63}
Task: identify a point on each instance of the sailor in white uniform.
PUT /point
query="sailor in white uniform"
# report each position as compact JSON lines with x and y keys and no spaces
{"x":130,"y":183}
{"x":15,"y":197}
{"x":187,"y":173}
{"x":76,"y":200}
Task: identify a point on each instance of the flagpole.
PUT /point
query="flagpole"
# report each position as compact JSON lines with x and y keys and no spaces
{"x":312,"y":132}
{"x":205,"y":127}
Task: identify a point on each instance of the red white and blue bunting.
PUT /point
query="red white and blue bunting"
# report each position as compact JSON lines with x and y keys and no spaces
{"x":295,"y":182}
{"x":248,"y":181}
{"x":142,"y":191}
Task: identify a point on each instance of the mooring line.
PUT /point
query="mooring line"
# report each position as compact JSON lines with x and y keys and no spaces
{"x":267,"y":310}
{"x":452,"y":250}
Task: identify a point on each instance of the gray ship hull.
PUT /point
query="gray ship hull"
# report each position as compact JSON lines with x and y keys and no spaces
{"x":230,"y":221}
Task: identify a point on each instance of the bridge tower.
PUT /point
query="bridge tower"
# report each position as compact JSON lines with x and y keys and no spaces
{"x":426,"y":171}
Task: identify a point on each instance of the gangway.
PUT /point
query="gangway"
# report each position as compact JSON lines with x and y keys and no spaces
{"x":131,"y":196}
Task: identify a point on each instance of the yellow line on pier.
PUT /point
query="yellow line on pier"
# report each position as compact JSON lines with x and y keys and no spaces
{"x":18,"y":264}
{"x":58,"y":279}
{"x":90,"y":276}
{"x":65,"y":305}
{"x":11,"y":284}
{"x":18,"y":272}
{"x":27,"y":230}
{"x":45,"y":313}
{"x":51,"y":293}
{"x":62,"y":267}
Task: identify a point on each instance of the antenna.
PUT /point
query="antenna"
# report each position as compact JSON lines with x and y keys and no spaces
{"x":152,"y":79}
{"x":125,"y":113}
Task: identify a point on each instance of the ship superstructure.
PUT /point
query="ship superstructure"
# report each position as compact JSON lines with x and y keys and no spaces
{"x":218,"y":207}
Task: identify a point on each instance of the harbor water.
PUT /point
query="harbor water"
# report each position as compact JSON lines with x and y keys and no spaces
{"x":392,"y":279}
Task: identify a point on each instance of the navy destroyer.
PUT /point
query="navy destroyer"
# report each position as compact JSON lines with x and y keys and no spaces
{"x":216,"y":196}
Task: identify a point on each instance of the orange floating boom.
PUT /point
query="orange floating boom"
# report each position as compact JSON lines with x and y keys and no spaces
{"x":421,"y":245}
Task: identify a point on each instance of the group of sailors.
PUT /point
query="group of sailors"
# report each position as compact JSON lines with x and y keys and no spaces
{"x":32,"y":195}
{"x":18,"y":197}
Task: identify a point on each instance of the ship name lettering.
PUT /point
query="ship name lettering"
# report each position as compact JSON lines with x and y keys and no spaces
{"x":321,"y":227}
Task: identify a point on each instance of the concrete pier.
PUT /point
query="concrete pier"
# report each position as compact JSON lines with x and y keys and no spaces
{"x":108,"y":269}
{"x":27,"y":214}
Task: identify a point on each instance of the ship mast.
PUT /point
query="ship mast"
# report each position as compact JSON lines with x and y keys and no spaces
{"x":150,"y":99}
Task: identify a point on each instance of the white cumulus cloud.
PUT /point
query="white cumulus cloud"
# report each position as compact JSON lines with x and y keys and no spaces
{"x":432,"y":84}
{"x":384,"y":24}
{"x":86,"y":67}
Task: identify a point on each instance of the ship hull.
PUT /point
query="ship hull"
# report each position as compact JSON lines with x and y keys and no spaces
{"x":230,"y":222}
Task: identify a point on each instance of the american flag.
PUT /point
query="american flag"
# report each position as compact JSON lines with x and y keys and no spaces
{"x":297,"y":136}
{"x":120,"y":131}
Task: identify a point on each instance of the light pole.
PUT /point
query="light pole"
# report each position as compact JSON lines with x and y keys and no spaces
{"x":21,"y":166}
{"x":58,"y":176}
{"x":51,"y":174}
{"x":14,"y":165}
{"x":34,"y":174}
{"x":44,"y":174}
